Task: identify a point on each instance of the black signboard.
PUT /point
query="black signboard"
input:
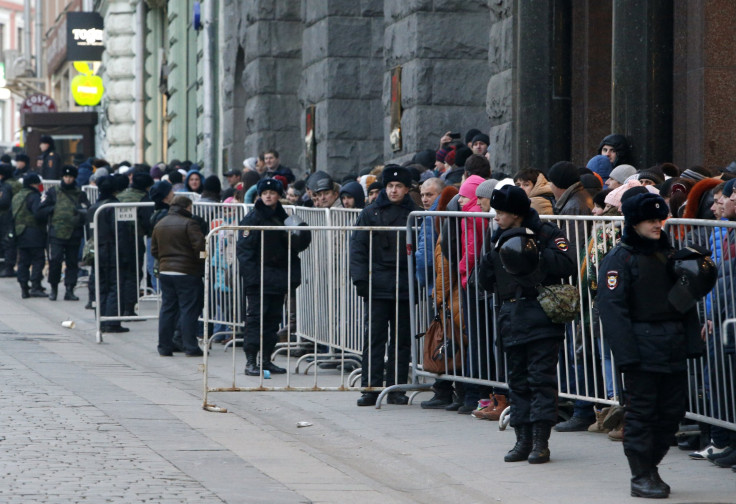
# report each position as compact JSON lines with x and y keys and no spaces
{"x":85,"y":37}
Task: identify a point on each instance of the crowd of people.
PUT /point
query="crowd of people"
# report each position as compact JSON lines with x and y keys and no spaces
{"x":650,"y":327}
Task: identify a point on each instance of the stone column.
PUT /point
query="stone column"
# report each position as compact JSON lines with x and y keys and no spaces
{"x":271,"y":34}
{"x":342,"y":58}
{"x":442,"y":47}
{"x":542,"y":84}
{"x":704,"y":83}
{"x":641,"y":106}
{"x":591,"y":78}
{"x":116,"y":132}
{"x":499,"y":94}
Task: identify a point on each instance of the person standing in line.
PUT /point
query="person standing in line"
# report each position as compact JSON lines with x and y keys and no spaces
{"x":266,"y":279}
{"x":374,"y":274}
{"x":176,"y":243}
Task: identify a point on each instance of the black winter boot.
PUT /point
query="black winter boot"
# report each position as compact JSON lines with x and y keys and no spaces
{"x":251,"y":367}
{"x":54,"y":292}
{"x":540,"y":441}
{"x":273,"y":368}
{"x":24,"y":293}
{"x":37,"y":290}
{"x":523,"y":445}
{"x":643,"y":482}
{"x":69,"y":295}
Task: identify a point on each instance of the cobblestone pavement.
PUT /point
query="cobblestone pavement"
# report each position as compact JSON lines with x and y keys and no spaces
{"x":114,"y":422}
{"x":57,"y":447}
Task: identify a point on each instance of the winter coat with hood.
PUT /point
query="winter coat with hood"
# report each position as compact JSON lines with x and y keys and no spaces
{"x":381,"y":213}
{"x":186,"y":182}
{"x":471,"y":229}
{"x":541,"y":196}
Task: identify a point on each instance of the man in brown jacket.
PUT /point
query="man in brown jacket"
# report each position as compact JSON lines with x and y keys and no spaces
{"x":177,"y":242}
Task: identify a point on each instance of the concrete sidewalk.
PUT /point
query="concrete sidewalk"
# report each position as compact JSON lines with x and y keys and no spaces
{"x":115,"y":422}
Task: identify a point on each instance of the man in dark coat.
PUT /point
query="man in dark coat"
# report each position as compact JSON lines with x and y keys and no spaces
{"x":30,"y":234}
{"x":176,"y":243}
{"x":650,"y":338}
{"x":106,"y":253}
{"x":49,"y":162}
{"x":266,"y":277}
{"x":67,"y":206}
{"x":131,"y":261}
{"x":9,"y":187}
{"x":529,"y":338}
{"x":375,"y":273}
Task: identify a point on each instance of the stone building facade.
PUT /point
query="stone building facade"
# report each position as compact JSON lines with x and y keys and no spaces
{"x":545,"y":79}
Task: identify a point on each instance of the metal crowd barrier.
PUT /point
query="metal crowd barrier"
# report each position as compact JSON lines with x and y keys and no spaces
{"x":91,"y":192}
{"x":325,"y":296}
{"x":113,"y":281}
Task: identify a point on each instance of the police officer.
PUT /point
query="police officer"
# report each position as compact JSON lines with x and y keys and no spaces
{"x":49,"y":162}
{"x":649,"y":336}
{"x":30,"y":234}
{"x":374,"y":274}
{"x":67,"y":206}
{"x":265,"y":311}
{"x":108,"y":247}
{"x":524,"y":254}
{"x":9,"y":187}
{"x":22,"y":165}
{"x":130,"y":262}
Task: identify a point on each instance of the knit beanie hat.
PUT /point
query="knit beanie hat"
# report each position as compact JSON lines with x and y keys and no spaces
{"x":563,"y":174}
{"x":212,"y":184}
{"x":160,"y":190}
{"x":601,"y":165}
{"x":650,"y":175}
{"x":142,"y":181}
{"x":485,"y":190}
{"x":622,"y":172}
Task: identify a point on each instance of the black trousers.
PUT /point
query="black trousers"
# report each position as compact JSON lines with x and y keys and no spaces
{"x":386,"y":330}
{"x":9,"y":249}
{"x":108,"y":293}
{"x":30,"y":265}
{"x":655,"y":404}
{"x":66,"y":251}
{"x":130,"y":280}
{"x":532,"y":374}
{"x":271,"y":308}
{"x":182,"y":299}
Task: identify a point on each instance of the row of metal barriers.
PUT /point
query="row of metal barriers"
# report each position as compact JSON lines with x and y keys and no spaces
{"x":324,"y":320}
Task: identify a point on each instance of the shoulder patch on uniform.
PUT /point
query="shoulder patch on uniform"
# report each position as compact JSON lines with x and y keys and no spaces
{"x":612,"y":279}
{"x":561,"y":243}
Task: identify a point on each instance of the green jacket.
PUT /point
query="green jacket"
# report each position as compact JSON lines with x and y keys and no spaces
{"x":68,"y":214}
{"x":23,"y":216}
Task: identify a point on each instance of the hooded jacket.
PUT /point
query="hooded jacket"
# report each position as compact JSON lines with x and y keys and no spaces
{"x":541,"y":196}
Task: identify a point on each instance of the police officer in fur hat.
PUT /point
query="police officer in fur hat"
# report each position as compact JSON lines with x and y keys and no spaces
{"x":265,"y":292}
{"x":49,"y":162}
{"x":67,"y":206}
{"x":391,"y":208}
{"x":524,"y":254}
{"x":652,"y":329}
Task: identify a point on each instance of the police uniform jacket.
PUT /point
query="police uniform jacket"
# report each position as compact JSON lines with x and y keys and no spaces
{"x":521,"y":318}
{"x":641,"y":326}
{"x":381,"y":213}
{"x":275,"y":260}
{"x":67,"y":206}
{"x":30,"y":223}
{"x":50,"y":165}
